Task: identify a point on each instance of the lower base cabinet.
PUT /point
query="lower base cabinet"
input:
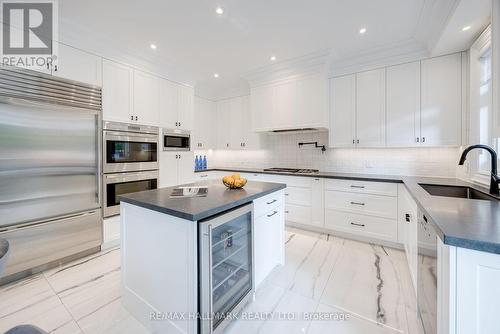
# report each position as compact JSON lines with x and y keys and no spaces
{"x":269,"y":226}
{"x":367,"y":226}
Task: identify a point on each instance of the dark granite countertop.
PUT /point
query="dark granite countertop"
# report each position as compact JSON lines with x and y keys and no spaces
{"x":219,"y":199}
{"x":467,"y":223}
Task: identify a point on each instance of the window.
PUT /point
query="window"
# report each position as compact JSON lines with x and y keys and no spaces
{"x":482,"y":118}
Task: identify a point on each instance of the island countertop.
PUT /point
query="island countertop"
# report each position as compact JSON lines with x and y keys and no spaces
{"x":218,"y":199}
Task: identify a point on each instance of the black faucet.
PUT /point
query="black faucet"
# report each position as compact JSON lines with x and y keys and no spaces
{"x":495,"y":179}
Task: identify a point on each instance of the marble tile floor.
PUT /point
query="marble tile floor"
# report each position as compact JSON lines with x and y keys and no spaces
{"x":328,"y":285}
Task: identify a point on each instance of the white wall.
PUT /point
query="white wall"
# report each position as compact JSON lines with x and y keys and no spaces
{"x":283,"y":151}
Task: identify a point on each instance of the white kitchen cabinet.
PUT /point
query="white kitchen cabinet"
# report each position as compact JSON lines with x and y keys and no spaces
{"x":292,"y":104}
{"x":304,"y":200}
{"x":78,"y":65}
{"x":441,"y":110}
{"x":311,"y":110}
{"x":185,"y":107}
{"x":176,"y":105}
{"x":235,"y":127}
{"x":261,"y":107}
{"x":176,"y":168}
{"x":204,"y":135}
{"x":146,"y":98}
{"x":342,"y":111}
{"x":223,"y":124}
{"x":285,"y":105}
{"x":403,"y":105}
{"x":117,"y":92}
{"x":478,"y":292}
{"x":251,"y":139}
{"x":370,"y":108}
{"x":269,"y":227}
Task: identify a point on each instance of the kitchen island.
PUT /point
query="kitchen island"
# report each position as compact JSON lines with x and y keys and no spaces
{"x":188,"y":261}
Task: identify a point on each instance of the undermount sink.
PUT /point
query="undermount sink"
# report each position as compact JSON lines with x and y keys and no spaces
{"x":456,"y":191}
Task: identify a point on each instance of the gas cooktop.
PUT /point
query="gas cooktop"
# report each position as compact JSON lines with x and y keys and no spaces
{"x":291,"y":170}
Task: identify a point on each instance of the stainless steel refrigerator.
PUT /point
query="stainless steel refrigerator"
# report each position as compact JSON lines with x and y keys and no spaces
{"x":49,"y":170}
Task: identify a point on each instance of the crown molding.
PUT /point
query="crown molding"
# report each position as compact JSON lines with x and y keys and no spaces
{"x":391,"y":54}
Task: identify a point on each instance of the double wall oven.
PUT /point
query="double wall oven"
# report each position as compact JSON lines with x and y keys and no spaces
{"x":130,"y":162}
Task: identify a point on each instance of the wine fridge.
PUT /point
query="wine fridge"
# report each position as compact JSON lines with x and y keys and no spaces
{"x":226,"y":267}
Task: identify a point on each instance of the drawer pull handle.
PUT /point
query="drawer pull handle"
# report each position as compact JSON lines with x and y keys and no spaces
{"x":356,"y":224}
{"x":272,"y":214}
{"x":407,"y":217}
{"x":271,"y":202}
{"x":286,"y":211}
{"x":357,"y":203}
{"x":286,"y":194}
{"x":203,"y":175}
{"x":359,"y":187}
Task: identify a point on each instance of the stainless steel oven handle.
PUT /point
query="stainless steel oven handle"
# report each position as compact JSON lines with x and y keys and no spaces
{"x":210,"y":288}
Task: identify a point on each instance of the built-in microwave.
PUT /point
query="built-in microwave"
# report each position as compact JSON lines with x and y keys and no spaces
{"x":176,"y":140}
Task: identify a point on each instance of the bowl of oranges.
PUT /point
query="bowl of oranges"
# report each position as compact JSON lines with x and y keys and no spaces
{"x":234,"y":181}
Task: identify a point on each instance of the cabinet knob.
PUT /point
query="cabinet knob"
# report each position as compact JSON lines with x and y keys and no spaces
{"x":55,"y":68}
{"x":423,"y":139}
{"x":417,"y":139}
{"x":132,"y":117}
{"x":136,"y":118}
{"x":357,"y":141}
{"x":407,"y":217}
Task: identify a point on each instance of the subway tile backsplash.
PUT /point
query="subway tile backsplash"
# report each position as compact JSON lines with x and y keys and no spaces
{"x":282,"y":150}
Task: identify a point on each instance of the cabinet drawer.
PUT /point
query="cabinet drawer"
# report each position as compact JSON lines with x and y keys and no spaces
{"x":366,"y":187}
{"x":374,"y":205}
{"x":267,"y":203}
{"x":298,"y":214}
{"x":299,"y":196}
{"x":202,"y":176}
{"x":372,"y":227}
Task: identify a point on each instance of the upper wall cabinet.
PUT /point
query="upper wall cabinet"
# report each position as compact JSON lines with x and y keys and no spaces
{"x":441,"y":112}
{"x":407,"y":105}
{"x":403,"y":105}
{"x":261,"y":106}
{"x":343,"y":111}
{"x":146,"y":98}
{"x":293,"y":104}
{"x":117,"y":92}
{"x":233,"y":130}
{"x":176,"y":106}
{"x":204,"y":135}
{"x":357,"y":110}
{"x":370,"y":108}
{"x":78,"y":65}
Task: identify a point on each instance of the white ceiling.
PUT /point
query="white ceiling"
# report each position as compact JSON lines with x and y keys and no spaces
{"x":192,"y":37}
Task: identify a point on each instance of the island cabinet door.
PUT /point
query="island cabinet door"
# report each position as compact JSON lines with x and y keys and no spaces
{"x":268,"y":243}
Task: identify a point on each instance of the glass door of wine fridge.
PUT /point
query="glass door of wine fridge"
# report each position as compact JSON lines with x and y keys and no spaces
{"x":226,"y":274}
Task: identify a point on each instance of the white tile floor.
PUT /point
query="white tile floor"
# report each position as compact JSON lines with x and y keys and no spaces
{"x":366,"y":284}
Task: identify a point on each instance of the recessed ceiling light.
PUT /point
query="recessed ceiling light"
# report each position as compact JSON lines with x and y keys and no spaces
{"x":216,"y":75}
{"x":273,"y":58}
{"x":219,"y":10}
{"x":153,"y":46}
{"x":362,"y":30}
{"x":465,"y":28}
